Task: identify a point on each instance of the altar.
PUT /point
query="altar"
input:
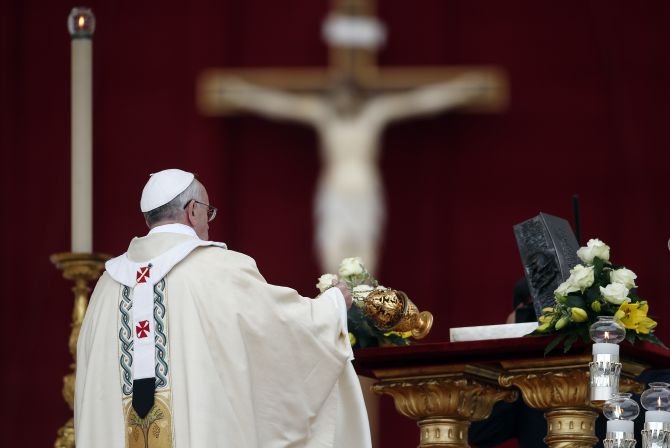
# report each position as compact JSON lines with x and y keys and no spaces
{"x":446,"y":386}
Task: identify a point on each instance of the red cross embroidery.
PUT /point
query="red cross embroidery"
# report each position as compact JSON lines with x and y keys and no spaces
{"x":142,"y":329}
{"x":143,"y":274}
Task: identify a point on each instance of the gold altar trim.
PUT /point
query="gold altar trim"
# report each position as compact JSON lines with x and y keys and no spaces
{"x":438,"y":371}
{"x":562,"y":362}
{"x":458,"y":397}
{"x":630,"y":368}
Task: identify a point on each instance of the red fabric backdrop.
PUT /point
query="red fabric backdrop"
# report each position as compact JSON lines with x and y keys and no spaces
{"x":589,"y":102}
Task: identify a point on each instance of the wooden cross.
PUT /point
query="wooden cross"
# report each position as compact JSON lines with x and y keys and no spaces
{"x":349,"y":103}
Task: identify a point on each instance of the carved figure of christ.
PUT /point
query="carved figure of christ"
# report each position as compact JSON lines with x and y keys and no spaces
{"x":349,"y":202}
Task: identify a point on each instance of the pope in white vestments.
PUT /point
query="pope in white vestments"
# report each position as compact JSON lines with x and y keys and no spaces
{"x":184,"y":344}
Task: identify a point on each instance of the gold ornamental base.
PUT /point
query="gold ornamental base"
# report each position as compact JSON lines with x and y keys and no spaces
{"x":574,"y":428}
{"x":82,"y":269}
{"x":444,"y":432}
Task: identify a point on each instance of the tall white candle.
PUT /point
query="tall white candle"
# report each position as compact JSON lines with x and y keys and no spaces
{"x":81,"y":24}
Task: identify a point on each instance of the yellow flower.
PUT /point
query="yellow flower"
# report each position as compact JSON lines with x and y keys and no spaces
{"x":578,"y":314}
{"x":547,"y":310}
{"x":544,"y":327}
{"x":595,"y":306}
{"x":545,"y":318}
{"x":404,"y":334}
{"x":352,"y":339}
{"x":633,"y":316}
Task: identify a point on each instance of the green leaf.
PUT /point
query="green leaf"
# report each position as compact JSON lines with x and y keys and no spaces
{"x":601,"y":276}
{"x":366,"y":334}
{"x":364,"y":341}
{"x":598,"y":266}
{"x":576,"y":301}
{"x":599,"y":263}
{"x":584,"y":332}
{"x":552,"y":345}
{"x":567,"y":345}
{"x":606,"y":309}
{"x":592,"y":292}
{"x":653,"y":339}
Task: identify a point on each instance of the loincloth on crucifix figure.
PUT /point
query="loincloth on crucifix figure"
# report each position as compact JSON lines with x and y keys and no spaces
{"x":349,"y":202}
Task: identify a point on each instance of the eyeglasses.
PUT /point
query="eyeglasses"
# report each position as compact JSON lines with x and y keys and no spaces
{"x":211,"y":211}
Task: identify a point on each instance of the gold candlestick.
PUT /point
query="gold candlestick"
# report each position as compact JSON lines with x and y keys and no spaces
{"x":81,"y":268}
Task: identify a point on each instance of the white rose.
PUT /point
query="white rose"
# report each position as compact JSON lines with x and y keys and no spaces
{"x":615,"y":293}
{"x":326,"y":281}
{"x":564,"y":289}
{"x":594,"y":248}
{"x":581,"y":277}
{"x":351,"y":266}
{"x":624,"y":276}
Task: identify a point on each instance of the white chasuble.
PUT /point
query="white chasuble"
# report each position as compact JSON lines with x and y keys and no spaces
{"x":237,"y":362}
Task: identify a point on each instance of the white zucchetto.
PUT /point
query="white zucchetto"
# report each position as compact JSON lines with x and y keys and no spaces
{"x":163,"y":187}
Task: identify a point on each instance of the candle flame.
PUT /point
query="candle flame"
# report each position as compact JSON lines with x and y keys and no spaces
{"x":81,"y":21}
{"x":618,"y":411}
{"x":607,"y":336}
{"x":658,"y":400}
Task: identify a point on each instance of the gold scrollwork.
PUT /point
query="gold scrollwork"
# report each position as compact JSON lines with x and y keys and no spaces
{"x":65,"y":435}
{"x":627,"y":384}
{"x":461,"y":398}
{"x":545,"y":390}
{"x":68,"y":388}
{"x":560,"y":388}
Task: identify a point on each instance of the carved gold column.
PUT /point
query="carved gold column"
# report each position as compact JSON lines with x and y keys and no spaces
{"x":444,"y":406}
{"x":560,"y":387}
{"x":82,"y":269}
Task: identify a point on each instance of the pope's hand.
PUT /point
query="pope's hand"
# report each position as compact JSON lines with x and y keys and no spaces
{"x":345,"y":291}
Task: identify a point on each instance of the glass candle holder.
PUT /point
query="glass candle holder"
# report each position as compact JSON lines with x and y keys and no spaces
{"x":620,"y":411}
{"x":81,"y":23}
{"x":605,"y":368}
{"x":656,"y":400}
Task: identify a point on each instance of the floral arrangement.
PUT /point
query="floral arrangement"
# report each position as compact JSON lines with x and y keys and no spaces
{"x":596,"y":288}
{"x":362,"y":333}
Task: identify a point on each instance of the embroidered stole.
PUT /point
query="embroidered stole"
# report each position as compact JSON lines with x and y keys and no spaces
{"x":144,"y":348}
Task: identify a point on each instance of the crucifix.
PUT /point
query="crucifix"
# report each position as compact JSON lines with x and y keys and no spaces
{"x":349,"y":103}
